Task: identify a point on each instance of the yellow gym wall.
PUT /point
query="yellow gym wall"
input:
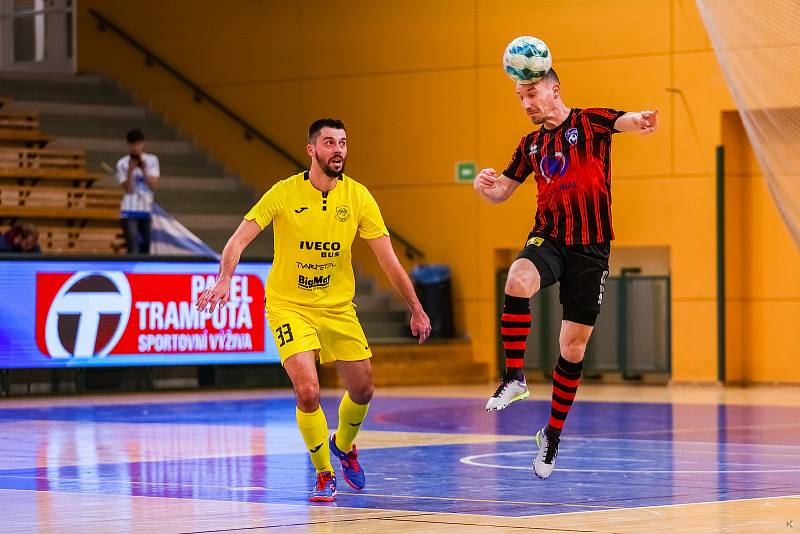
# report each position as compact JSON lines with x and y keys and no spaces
{"x":763,"y":269}
{"x":420,"y":87}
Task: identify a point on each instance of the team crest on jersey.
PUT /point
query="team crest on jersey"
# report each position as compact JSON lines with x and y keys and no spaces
{"x":571,"y":135}
{"x":553,"y":166}
{"x":342,"y":213}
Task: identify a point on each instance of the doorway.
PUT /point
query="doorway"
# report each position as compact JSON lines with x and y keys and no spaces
{"x":37,"y":35}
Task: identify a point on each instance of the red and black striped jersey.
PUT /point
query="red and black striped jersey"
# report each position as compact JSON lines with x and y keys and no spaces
{"x":572,"y":167}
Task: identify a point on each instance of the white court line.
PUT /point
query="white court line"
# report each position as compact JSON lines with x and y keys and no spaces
{"x":683,"y":447}
{"x":699,"y":460}
{"x":472,"y":461}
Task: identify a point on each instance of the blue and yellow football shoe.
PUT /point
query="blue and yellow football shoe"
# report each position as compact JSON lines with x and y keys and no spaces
{"x":351,"y":469}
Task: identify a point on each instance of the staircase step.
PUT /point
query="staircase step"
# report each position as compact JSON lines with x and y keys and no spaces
{"x":381,"y":329}
{"x":406,"y":365}
{"x":67,"y":96}
{"x":374,"y":301}
{"x":365,"y":285}
{"x":201,"y":183}
{"x":383,"y":316}
{"x":234,"y":201}
{"x":106,"y":127}
{"x":53,"y":77}
{"x":420,"y":374}
{"x":209,"y":221}
{"x":79,"y":109}
{"x":262,"y":246}
{"x":117,"y":144}
{"x":74,"y":90}
{"x":192,"y":164}
{"x":449,"y":352}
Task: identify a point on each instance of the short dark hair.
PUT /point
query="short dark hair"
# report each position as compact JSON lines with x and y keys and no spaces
{"x":552,"y":76}
{"x":134,"y":136}
{"x":23,"y":230}
{"x":319,"y":124}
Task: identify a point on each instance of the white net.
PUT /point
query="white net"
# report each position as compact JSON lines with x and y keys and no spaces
{"x":758,"y":46}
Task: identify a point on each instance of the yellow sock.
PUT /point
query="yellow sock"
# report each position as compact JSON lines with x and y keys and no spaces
{"x":351,"y":415}
{"x":314,"y":428}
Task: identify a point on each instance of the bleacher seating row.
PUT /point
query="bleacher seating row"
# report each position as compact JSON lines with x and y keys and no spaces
{"x":22,"y":128}
{"x":52,"y":189}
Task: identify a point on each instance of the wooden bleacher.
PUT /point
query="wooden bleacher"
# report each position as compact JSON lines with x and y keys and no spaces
{"x":45,"y":202}
{"x":21,"y":129}
{"x":30,"y":164}
{"x":52,"y":189}
{"x":83,"y":240}
{"x":19,"y":120}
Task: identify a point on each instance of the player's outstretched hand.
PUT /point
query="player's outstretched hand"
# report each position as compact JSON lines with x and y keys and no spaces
{"x":486,"y":179}
{"x":218,"y":294}
{"x":648,"y":122}
{"x":420,"y":325}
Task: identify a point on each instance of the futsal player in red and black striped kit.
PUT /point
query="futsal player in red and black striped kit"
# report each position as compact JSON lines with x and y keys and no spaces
{"x":569,"y":156}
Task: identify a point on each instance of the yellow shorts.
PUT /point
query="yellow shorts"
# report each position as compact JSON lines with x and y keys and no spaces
{"x":335,"y":332}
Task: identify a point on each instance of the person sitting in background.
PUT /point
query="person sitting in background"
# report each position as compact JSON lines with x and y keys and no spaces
{"x":138,"y":174}
{"x":22,"y":237}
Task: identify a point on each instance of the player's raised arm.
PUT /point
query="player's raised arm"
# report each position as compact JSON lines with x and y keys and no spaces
{"x":219,"y":292}
{"x":382,"y":247}
{"x":492,"y":188}
{"x":645,"y":122}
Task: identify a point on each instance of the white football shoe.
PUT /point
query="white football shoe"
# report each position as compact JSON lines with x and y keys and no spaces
{"x":545,"y":460}
{"x":507,"y":392}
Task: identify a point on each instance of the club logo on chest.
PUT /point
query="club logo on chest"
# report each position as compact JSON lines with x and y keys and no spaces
{"x":342,"y":213}
{"x":571,"y":135}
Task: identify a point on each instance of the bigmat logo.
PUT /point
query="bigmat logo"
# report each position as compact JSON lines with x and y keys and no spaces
{"x":95,"y":314}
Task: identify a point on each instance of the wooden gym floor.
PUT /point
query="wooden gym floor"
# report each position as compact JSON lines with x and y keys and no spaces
{"x":632,"y":459}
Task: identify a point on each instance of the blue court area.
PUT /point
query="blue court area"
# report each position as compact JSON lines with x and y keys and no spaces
{"x":419,"y":454}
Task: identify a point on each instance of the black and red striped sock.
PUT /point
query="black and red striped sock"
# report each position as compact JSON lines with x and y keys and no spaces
{"x":566,"y":377}
{"x":515,"y":327}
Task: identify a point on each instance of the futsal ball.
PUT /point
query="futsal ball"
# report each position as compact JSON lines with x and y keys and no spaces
{"x":527,"y":59}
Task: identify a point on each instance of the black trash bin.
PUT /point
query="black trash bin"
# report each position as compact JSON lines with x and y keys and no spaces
{"x":432,"y":284}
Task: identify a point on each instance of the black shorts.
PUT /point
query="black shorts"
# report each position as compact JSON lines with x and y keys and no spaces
{"x":580,"y":269}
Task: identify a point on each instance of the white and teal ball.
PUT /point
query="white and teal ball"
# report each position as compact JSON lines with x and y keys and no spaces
{"x":527,"y":59}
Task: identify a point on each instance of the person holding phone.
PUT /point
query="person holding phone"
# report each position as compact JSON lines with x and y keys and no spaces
{"x":138,"y":175}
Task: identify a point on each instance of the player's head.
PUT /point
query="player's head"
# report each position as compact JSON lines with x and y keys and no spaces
{"x":542,"y":99}
{"x":327,"y":146}
{"x":135,"y":139}
{"x":23,"y":237}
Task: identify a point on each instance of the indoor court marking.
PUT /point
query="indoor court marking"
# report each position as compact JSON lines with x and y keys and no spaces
{"x":228,"y":462}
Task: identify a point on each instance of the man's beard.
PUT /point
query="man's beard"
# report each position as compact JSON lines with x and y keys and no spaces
{"x":328,"y":170}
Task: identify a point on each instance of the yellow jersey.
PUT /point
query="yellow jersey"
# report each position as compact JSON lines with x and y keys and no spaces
{"x":314,"y":233}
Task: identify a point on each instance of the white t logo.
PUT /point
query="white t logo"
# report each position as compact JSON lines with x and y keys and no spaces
{"x":74,"y":320}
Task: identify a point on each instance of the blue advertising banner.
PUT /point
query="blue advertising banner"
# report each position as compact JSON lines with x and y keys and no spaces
{"x":82,"y":313}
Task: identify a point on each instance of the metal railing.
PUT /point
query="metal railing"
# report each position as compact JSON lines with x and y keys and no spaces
{"x":200,"y":95}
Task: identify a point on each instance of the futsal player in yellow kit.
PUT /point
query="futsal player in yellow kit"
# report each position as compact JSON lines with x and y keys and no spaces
{"x":309,"y":295}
